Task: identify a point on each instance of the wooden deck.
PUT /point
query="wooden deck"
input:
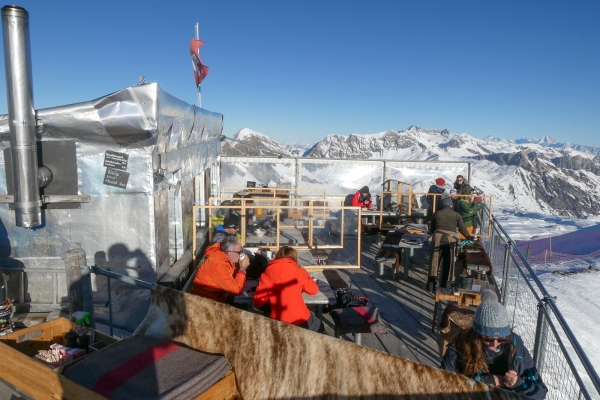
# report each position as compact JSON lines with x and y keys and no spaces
{"x":406,"y":307}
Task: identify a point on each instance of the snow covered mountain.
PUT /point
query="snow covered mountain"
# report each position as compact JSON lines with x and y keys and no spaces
{"x":526,"y":174}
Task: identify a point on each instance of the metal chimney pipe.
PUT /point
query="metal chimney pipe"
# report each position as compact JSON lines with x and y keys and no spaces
{"x":21,"y":115}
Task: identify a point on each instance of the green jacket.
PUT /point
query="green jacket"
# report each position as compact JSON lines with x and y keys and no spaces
{"x":467,"y":210}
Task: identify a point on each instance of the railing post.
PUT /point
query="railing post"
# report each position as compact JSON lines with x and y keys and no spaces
{"x":527,"y":253}
{"x":492,"y":242}
{"x":109,"y":298}
{"x":541,"y":332}
{"x":297,"y":174}
{"x":79,"y":284}
{"x":507,"y":251}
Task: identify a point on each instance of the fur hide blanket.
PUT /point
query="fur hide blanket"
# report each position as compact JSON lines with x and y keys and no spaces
{"x":273,"y":360}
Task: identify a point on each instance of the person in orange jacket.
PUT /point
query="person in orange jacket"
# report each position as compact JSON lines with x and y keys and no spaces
{"x":282,"y":285}
{"x":217,"y":277}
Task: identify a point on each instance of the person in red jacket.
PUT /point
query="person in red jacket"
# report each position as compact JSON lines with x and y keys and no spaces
{"x":217,"y":277}
{"x":362,"y":198}
{"x":282,"y":285}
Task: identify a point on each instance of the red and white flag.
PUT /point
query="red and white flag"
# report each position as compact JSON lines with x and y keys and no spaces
{"x":200,"y":70}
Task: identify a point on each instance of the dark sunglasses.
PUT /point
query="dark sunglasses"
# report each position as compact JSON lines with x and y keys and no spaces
{"x":490,"y":340}
{"x":459,"y":179}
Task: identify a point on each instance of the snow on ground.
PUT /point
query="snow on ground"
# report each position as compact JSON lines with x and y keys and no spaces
{"x":576,"y":294}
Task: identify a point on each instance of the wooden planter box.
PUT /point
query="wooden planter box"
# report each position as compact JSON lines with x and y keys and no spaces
{"x":33,"y":377}
{"x":42,"y":381}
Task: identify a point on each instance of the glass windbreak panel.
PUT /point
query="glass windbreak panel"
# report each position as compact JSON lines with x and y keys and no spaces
{"x":220,"y":209}
{"x":266,"y":172}
{"x":298,"y":202}
{"x":348,"y":230}
{"x":224,"y":217}
{"x":339,"y":177}
{"x":262,"y":226}
{"x":277,"y":193}
{"x":390,"y":203}
{"x":423,"y":174}
{"x":326,"y":227}
{"x":294,"y":226}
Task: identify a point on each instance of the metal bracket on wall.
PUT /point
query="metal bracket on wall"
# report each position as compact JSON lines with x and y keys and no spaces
{"x":76,"y":198}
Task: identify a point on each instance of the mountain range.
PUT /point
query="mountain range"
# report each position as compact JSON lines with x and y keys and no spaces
{"x":525,"y":174}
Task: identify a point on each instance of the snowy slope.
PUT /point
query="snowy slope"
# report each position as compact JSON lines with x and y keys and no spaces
{"x":526,"y":174}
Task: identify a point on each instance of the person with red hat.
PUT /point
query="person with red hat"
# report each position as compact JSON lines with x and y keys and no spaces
{"x":435,"y":196}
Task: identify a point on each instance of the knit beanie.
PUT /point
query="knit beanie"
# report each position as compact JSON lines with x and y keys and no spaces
{"x":440,"y":182}
{"x":447,"y":202}
{"x":453,"y":191}
{"x":365,"y":189}
{"x":232,"y":221}
{"x":491,"y":318}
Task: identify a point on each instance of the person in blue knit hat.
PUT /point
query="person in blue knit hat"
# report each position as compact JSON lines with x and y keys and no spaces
{"x":491,"y":353}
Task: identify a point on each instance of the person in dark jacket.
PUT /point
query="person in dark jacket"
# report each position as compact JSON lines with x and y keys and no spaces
{"x":444,"y":225}
{"x":230,"y":227}
{"x":462,"y":186}
{"x":491,"y":353}
{"x":434,"y":196}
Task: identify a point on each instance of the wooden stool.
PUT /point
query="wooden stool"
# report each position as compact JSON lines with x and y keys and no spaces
{"x":357,"y":320}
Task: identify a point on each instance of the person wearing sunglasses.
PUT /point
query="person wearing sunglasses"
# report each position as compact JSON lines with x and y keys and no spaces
{"x":229,"y":228}
{"x":462,"y":186}
{"x":491,"y":353}
{"x":218,"y":276}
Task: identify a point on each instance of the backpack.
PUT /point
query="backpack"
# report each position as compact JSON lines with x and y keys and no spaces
{"x":345,"y":298}
{"x":348,"y":200}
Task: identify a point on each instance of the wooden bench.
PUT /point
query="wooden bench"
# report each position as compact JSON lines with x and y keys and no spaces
{"x":357,"y":320}
{"x":474,"y":258}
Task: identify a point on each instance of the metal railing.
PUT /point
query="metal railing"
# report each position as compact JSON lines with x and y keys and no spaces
{"x":564,"y":366}
{"x":125,"y":279}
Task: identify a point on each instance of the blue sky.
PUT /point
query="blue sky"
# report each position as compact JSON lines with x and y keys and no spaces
{"x":300,"y":70}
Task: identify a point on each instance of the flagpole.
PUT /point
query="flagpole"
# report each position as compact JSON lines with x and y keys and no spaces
{"x":199,"y":86}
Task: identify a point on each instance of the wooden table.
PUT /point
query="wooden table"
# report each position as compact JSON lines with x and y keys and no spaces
{"x":393,"y":242}
{"x":372,"y":215}
{"x":462,"y":297}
